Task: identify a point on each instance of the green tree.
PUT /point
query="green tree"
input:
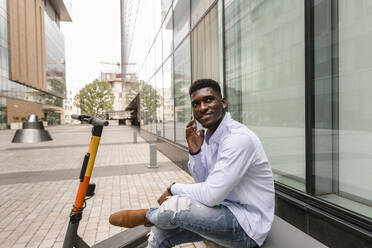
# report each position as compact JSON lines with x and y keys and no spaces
{"x":150,"y":98}
{"x":134,"y":89}
{"x":95,"y":98}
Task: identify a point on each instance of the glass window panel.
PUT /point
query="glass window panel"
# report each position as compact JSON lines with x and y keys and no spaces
{"x":198,"y":8}
{"x":205,"y":48}
{"x":265,"y":79}
{"x":181,"y":12}
{"x":158,"y":51}
{"x":343,"y":134}
{"x":159,"y":96}
{"x":146,"y":107}
{"x":168,"y":100}
{"x":3,"y":113}
{"x":3,"y":28}
{"x":151,"y":62}
{"x":152,"y":102}
{"x":165,"y":5}
{"x":167,"y":30}
{"x":182,"y":80}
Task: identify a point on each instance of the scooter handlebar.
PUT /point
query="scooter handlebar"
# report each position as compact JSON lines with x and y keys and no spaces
{"x":91,"y":120}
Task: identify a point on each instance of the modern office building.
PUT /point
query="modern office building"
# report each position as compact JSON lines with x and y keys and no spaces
{"x":32,"y":68}
{"x":297,"y":73}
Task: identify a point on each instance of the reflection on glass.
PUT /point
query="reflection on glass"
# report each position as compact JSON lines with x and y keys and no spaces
{"x":3,"y":113}
{"x":343,"y":135}
{"x":265,"y":79}
{"x":152,"y":104}
{"x":181,"y":12}
{"x":198,"y":8}
{"x":160,"y":103}
{"x":168,"y":100}
{"x":205,"y":48}
{"x":158,"y":51}
{"x":167,"y":31}
{"x":165,"y":5}
{"x":55,"y":57}
{"x":182,"y":81}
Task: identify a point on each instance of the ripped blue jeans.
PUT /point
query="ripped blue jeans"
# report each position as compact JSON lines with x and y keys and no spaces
{"x":181,"y":220}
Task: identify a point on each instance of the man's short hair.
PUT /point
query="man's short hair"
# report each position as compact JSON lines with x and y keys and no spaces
{"x":204,"y":83}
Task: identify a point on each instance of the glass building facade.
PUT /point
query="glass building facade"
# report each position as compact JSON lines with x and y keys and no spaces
{"x":51,"y":99}
{"x":297,"y":73}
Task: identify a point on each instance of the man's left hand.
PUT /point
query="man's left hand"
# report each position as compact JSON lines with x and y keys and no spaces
{"x":163,"y":197}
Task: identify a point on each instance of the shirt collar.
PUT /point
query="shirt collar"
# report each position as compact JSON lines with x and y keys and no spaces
{"x":216,"y":136}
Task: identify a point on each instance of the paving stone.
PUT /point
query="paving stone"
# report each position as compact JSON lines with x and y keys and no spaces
{"x":35,"y":206}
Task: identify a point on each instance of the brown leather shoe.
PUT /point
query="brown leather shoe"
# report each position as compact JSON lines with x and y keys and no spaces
{"x":129,"y":218}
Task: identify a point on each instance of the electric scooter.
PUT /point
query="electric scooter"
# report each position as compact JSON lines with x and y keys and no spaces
{"x":134,"y":237}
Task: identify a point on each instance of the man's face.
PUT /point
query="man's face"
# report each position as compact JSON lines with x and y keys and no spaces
{"x":208,"y":107}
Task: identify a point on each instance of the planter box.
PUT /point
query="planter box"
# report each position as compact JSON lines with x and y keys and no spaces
{"x":16,"y":125}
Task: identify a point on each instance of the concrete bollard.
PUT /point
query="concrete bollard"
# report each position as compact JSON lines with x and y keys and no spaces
{"x":134,"y":137}
{"x":153,"y":151}
{"x":158,"y":135}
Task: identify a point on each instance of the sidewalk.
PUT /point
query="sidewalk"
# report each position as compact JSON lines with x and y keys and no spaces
{"x":38,"y":183}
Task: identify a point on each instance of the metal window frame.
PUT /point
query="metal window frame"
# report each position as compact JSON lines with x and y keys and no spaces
{"x":309,"y":97}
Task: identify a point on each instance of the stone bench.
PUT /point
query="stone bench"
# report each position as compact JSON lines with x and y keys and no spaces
{"x":284,"y":235}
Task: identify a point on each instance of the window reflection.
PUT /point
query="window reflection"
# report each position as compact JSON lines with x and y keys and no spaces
{"x":160,"y":103}
{"x":343,"y":117}
{"x":167,"y":31}
{"x":265,"y":79}
{"x":181,"y":10}
{"x":205,"y":48}
{"x":168,"y":100}
{"x":182,"y":81}
{"x":198,"y":8}
{"x":55,"y":56}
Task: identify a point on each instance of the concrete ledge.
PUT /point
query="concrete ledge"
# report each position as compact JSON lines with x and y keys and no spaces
{"x":284,"y":235}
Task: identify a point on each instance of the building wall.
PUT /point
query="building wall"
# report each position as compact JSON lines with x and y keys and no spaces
{"x":32,"y":68}
{"x":22,"y":109}
{"x":69,"y":109}
{"x":27,"y":41}
{"x":295,"y":72}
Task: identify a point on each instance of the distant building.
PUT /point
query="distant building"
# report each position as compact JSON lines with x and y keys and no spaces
{"x":32,"y":64}
{"x":116,"y":85}
{"x":69,"y":109}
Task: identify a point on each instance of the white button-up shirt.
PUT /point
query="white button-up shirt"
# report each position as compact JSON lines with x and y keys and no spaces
{"x":232,"y":169}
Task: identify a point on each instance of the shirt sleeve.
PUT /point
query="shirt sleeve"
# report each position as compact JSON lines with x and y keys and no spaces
{"x":235,"y":155}
{"x":197,"y":168}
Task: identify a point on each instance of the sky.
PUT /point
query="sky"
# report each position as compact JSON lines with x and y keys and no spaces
{"x":92,"y":37}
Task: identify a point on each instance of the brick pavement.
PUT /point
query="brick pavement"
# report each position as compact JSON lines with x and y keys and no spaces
{"x":38,"y":184}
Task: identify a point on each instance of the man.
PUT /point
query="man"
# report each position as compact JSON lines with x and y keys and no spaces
{"x":232,"y":199}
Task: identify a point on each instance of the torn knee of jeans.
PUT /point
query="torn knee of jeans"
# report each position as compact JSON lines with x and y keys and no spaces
{"x":150,"y":236}
{"x":175,"y":204}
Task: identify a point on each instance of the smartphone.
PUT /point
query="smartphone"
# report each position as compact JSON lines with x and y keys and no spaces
{"x":197,"y":124}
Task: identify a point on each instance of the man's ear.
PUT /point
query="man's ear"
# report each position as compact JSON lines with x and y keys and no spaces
{"x":224,"y":103}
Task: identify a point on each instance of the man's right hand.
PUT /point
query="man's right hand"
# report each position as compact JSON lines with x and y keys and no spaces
{"x":194,"y":138}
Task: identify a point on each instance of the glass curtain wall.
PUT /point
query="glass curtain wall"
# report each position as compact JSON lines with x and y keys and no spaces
{"x":198,"y":8}
{"x":343,"y":116}
{"x":265,"y":61}
{"x":205,"y":48}
{"x":4,"y":71}
{"x":159,"y":103}
{"x":168,"y":99}
{"x":181,"y":20}
{"x":55,"y":54}
{"x":3,"y":113}
{"x":182,"y":81}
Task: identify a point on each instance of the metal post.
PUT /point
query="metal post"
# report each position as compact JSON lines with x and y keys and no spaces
{"x":153,"y":150}
{"x":134,"y":137}
{"x":158,"y":134}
